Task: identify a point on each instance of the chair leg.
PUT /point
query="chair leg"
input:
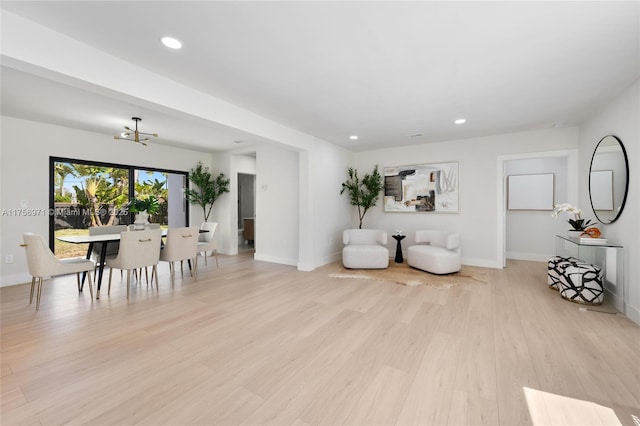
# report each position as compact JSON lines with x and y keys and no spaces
{"x":128,"y":282}
{"x":205,"y":258}
{"x":182,"y":268}
{"x":33,"y":284}
{"x":78,"y":279}
{"x":154,"y":271}
{"x":90,"y":286}
{"x":216,"y":253}
{"x":146,"y":274}
{"x":195,"y":268}
{"x":109,"y":289}
{"x":39,"y":293}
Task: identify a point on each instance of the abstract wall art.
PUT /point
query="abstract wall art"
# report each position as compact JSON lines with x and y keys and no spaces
{"x":422,"y":188}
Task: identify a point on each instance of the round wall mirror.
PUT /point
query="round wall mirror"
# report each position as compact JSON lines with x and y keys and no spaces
{"x":608,"y":179}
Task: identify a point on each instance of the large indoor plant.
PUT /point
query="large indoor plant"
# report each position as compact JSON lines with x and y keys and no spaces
{"x":208,"y":189}
{"x":363,"y":193}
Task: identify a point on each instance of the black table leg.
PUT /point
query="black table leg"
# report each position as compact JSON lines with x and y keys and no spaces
{"x":399,"y":258}
{"x":103,"y":259}
{"x":84,"y":274}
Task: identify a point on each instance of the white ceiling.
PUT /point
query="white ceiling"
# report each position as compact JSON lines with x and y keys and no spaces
{"x":381,"y":70}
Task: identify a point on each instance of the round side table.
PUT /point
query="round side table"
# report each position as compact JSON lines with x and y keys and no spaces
{"x":398,"y":238}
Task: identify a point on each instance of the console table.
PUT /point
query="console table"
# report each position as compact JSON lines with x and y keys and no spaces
{"x":610,"y":257}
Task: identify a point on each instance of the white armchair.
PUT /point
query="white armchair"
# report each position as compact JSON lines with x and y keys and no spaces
{"x":365,"y":249}
{"x":440,"y":253}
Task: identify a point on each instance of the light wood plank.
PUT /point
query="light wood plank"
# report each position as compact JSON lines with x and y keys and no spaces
{"x":257,"y":343}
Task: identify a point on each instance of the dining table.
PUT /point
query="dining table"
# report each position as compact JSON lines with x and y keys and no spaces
{"x":106,"y":239}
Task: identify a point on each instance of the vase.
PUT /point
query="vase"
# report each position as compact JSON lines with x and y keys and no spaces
{"x":142,"y":220}
{"x":574,"y":233}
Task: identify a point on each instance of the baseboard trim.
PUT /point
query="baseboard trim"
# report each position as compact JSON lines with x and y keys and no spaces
{"x":15,"y":279}
{"x":274,"y":259}
{"x":483,"y":263}
{"x":632,"y":313}
{"x":535,"y":257}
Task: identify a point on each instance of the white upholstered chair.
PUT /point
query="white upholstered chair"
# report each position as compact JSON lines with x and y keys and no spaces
{"x":365,"y":249}
{"x":42,"y":263}
{"x":437,"y":252}
{"x":138,"y":249}
{"x":182,"y":244}
{"x":207,"y":241}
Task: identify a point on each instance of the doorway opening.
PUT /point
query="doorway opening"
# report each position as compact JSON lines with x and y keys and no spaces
{"x":515,"y":240}
{"x":246,"y":211}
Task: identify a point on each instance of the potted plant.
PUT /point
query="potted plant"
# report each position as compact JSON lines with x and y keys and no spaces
{"x":143,"y":207}
{"x":363,"y":193}
{"x":208,"y":189}
{"x":578,"y":224}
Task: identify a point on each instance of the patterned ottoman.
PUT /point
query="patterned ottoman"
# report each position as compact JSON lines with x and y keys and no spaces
{"x":557,"y":265}
{"x":582,"y":283}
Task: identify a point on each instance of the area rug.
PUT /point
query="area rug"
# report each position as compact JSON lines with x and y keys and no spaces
{"x":401,"y":273}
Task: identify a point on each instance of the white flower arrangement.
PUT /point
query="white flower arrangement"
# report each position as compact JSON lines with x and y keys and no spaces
{"x":577,"y":223}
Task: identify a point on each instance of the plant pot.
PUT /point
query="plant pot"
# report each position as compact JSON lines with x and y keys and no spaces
{"x":574,"y":234}
{"x":142,"y":220}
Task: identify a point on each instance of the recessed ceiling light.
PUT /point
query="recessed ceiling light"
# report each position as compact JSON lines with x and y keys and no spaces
{"x":238,"y":141}
{"x":353,"y":137}
{"x":460,"y":121}
{"x":171,"y":42}
{"x":415,"y":135}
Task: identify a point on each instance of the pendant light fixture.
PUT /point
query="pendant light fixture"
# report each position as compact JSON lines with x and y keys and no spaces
{"x":134,"y":135}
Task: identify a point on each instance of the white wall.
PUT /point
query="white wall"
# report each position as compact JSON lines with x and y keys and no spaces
{"x":300,"y":215}
{"x":521,"y":242}
{"x":25,"y":148}
{"x":477,"y":220}
{"x":277,"y":212}
{"x":325,"y":214}
{"x":621,"y":118}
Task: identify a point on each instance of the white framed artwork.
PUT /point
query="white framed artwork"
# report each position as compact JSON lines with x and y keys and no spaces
{"x":601,"y":189}
{"x":530,"y":192}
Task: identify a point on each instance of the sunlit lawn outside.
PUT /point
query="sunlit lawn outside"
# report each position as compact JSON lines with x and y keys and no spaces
{"x":66,"y":250}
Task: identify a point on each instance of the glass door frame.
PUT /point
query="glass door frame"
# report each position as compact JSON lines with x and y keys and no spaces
{"x":131,"y":168}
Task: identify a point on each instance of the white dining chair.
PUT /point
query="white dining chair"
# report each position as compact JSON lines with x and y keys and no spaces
{"x":138,"y":249}
{"x":41,"y":263}
{"x":181,"y":245}
{"x":207,"y":241}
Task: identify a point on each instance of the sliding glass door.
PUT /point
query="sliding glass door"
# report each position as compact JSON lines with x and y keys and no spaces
{"x":86,"y":194}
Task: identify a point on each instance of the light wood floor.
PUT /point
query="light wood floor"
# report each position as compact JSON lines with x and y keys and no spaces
{"x":259,"y":343}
